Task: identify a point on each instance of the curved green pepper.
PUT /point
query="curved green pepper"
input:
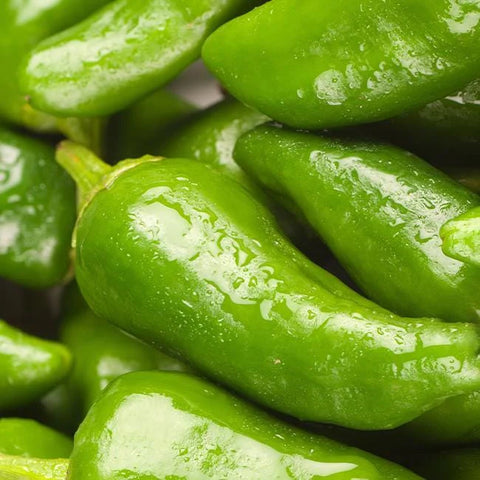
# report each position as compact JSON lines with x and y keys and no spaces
{"x":134,"y":132}
{"x":22,"y":26}
{"x":29,"y":366}
{"x":447,"y":130}
{"x":121,"y":53}
{"x":37,"y":212}
{"x":379,"y":209}
{"x":461,"y":237}
{"x":210,"y":136}
{"x":163,"y":252}
{"x":170,"y":425}
{"x":102,"y":352}
{"x":314,"y":64}
{"x":21,"y":468}
{"x":28,"y":438}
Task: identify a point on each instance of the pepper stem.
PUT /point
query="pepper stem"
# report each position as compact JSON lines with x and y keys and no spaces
{"x":83,"y":166}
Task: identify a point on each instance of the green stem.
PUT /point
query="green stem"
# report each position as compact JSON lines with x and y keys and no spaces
{"x":86,"y":131}
{"x":83,"y":166}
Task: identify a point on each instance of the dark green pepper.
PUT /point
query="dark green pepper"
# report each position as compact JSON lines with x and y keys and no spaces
{"x":379,"y":209}
{"x":159,"y":425}
{"x":461,"y":237}
{"x":134,"y":131}
{"x":102,"y":352}
{"x":314,"y":64}
{"x":121,"y":53}
{"x":446,"y":131}
{"x":37,"y":212}
{"x":28,"y":438}
{"x":22,"y":26}
{"x":164,"y":253}
{"x":29,"y":366}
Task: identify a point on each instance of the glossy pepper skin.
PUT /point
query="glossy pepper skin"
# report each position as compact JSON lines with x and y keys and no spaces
{"x":184,"y":427}
{"x":303,"y":64}
{"x":21,"y":468}
{"x":29,"y":366}
{"x":134,"y":132}
{"x":37,"y":212}
{"x":379,"y":209}
{"x":22,"y":26}
{"x":216,"y":284}
{"x":446,"y":131}
{"x":210,"y":136}
{"x":461,"y":237}
{"x":102,"y":352}
{"x":27,"y":438}
{"x":121,"y":53}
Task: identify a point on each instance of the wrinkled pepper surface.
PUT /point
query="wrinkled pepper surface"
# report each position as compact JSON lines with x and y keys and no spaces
{"x":379,"y":209}
{"x":183,"y":427}
{"x":197,"y":273}
{"x":29,"y":366}
{"x":121,"y":53}
{"x":461,"y":237}
{"x":37,"y":212}
{"x":314,"y":64}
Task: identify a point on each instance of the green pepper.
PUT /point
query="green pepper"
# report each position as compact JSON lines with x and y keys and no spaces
{"x":37,"y":212}
{"x":134,"y":131}
{"x":461,"y":237}
{"x":21,"y":468}
{"x":120,"y":54}
{"x":314,"y":64}
{"x":459,"y":464}
{"x":210,"y":136}
{"x":444,"y":131}
{"x":29,"y":366}
{"x":164,"y":253}
{"x":172,"y":425}
{"x":22,"y":26}
{"x":379,"y":209}
{"x":102,"y":352}
{"x":28,"y":438}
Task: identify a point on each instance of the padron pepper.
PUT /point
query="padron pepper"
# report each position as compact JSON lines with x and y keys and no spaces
{"x":159,"y":425}
{"x":29,"y":366}
{"x":37,"y":212}
{"x":22,"y":26}
{"x":333,"y":63}
{"x":23,"y":468}
{"x":27,"y":438}
{"x":164,"y":253}
{"x":379,"y":209}
{"x":461,"y":237}
{"x":121,"y":53}
{"x":102,"y":352}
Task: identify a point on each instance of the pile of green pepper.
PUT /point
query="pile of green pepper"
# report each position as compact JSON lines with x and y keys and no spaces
{"x":283,"y":285}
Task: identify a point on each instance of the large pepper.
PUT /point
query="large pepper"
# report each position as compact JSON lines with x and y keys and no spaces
{"x":29,"y":366}
{"x":313,"y":64}
{"x":379,"y":209}
{"x":37,"y":212}
{"x":102,"y":352}
{"x":461,"y":237}
{"x":121,"y":53}
{"x":164,"y":253}
{"x":160,"y":425}
{"x":22,"y":26}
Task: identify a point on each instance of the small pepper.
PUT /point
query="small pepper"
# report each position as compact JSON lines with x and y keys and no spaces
{"x":161,"y":425}
{"x":37,"y":212}
{"x":121,"y":53}
{"x":461,"y":237}
{"x":29,"y":366}
{"x":164,"y":253}
{"x":313,"y":64}
{"x":379,"y":209}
